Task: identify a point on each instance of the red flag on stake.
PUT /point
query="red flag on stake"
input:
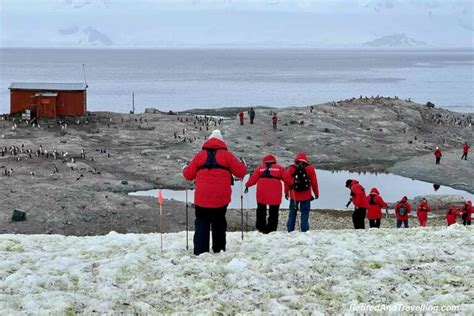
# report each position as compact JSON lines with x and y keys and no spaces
{"x":160,"y":202}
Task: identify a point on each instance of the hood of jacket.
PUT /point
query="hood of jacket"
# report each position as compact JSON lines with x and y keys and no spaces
{"x":374,"y":191}
{"x":214,"y":143}
{"x":269,"y":158}
{"x":301,"y":157}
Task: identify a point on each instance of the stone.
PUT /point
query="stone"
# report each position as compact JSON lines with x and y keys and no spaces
{"x":18,"y":215}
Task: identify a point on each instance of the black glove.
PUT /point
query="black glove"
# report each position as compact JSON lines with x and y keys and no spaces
{"x":316,"y":197}
{"x":286,"y":196}
{"x":246,"y":190}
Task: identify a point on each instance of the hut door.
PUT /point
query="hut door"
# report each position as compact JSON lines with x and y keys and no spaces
{"x":47,"y":107}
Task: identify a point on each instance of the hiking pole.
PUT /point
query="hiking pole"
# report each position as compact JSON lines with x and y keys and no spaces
{"x":187,"y":223}
{"x":160,"y":202}
{"x":242,"y":208}
{"x":247,"y":215}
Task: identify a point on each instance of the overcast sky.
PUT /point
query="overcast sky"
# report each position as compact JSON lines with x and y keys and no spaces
{"x":232,"y":23}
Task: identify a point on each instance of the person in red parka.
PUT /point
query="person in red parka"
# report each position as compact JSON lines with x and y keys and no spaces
{"x":301,"y":192}
{"x":268,"y":178}
{"x":359,"y":199}
{"x":422,"y":212}
{"x":402,"y":209}
{"x":465,"y":151}
{"x":212,"y":169}
{"x":466,"y":211}
{"x":241,"y":117}
{"x":376,"y":203}
{"x":451,"y":215}
{"x":274,"y":121}
{"x":437,"y":153}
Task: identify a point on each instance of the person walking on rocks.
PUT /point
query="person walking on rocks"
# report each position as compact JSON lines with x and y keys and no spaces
{"x":268,"y":178}
{"x":465,"y":151}
{"x":305,"y":183}
{"x":212,"y":169}
{"x":274,"y":121}
{"x":359,"y":199}
{"x":438,"y":154}
{"x":241,"y":117}
{"x":251,"y":115}
{"x":466,"y":211}
{"x":402,"y":209}
{"x":451,"y":215}
{"x":422,"y":213}
{"x":376,"y":203}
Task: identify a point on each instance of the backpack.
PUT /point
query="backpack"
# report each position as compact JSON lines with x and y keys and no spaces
{"x":372,"y":199}
{"x":267,"y":173}
{"x":402,"y":210}
{"x":300,"y":175}
{"x":211,"y":163}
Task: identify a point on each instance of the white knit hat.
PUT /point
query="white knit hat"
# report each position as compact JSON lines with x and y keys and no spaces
{"x":216,"y":134}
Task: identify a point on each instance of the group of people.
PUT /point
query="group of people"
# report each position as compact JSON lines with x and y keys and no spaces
{"x":213,"y":170}
{"x":438,"y":154}
{"x":251,"y":114}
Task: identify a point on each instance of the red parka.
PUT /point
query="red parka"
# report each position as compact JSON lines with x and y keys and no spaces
{"x":376,"y":203}
{"x":358,"y":195}
{"x":213,"y":186}
{"x":311,"y":172}
{"x":465,"y":148}
{"x":422,"y":211}
{"x":451,"y":215}
{"x":404,"y":201}
{"x":269,"y":189}
{"x":241,"y":116}
{"x":467,"y":208}
{"x":438,"y":153}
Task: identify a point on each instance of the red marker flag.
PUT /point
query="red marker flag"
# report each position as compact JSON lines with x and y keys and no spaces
{"x":160,"y":197}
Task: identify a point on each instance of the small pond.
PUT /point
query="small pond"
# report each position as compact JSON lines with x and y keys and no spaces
{"x":333,"y":193}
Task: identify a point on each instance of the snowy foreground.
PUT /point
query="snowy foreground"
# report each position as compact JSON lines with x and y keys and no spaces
{"x":319,"y":271}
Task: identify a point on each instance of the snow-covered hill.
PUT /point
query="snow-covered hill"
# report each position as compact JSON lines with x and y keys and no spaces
{"x":319,"y":271}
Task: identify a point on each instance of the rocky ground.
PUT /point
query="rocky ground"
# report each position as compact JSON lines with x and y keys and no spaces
{"x":126,"y":153}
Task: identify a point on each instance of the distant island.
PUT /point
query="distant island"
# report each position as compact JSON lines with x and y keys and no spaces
{"x":394,"y":41}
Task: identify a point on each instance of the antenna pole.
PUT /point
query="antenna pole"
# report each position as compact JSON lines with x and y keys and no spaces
{"x":84,"y":72}
{"x":133,"y":102}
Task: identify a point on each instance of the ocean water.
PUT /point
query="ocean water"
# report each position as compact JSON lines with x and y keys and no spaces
{"x":185,"y":79}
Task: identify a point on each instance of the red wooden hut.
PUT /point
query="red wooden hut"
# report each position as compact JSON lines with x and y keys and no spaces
{"x":48,"y":99}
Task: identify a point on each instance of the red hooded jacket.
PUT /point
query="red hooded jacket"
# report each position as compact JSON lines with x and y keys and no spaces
{"x":241,"y":116}
{"x":213,"y":186}
{"x":375,"y":208}
{"x":269,"y":189}
{"x":422,"y":211}
{"x":404,"y":202}
{"x":451,"y":215}
{"x":467,"y":208}
{"x":358,"y":196}
{"x":465,"y":148}
{"x":311,"y":172}
{"x":438,"y":153}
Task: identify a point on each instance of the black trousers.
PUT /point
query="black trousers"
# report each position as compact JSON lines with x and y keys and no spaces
{"x":464,"y":156}
{"x":207,"y":218}
{"x":374,"y":223}
{"x":358,"y":218}
{"x":465,"y":222}
{"x":438,"y":160}
{"x":251,"y":120}
{"x":262,"y":224}
{"x":404,"y":222}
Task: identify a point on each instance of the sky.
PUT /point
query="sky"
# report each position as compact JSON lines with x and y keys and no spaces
{"x":232,"y":23}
